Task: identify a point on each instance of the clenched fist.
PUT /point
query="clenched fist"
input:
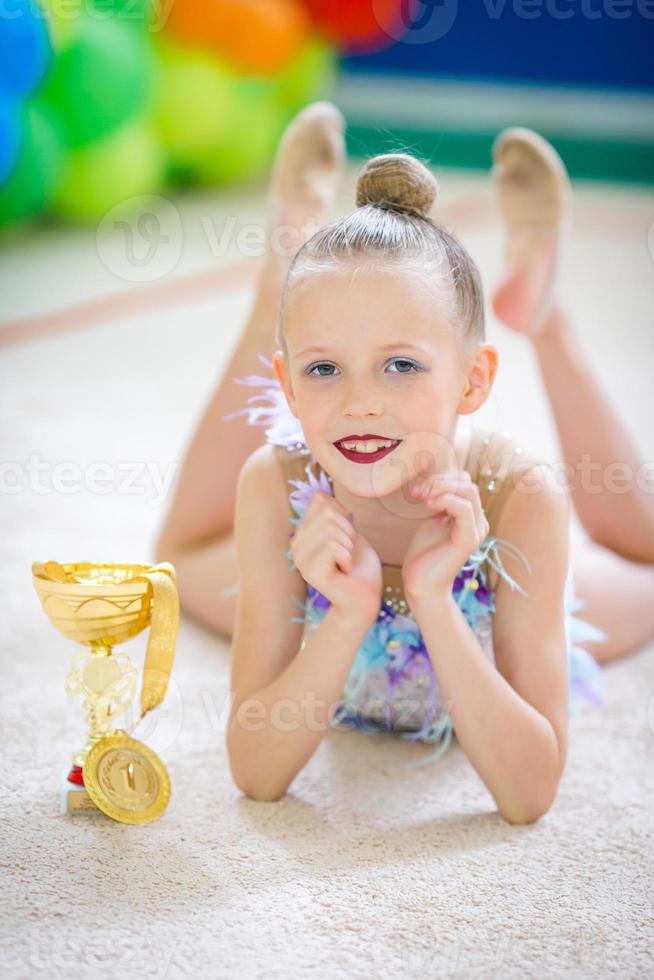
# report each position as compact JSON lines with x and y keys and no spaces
{"x":336,"y":560}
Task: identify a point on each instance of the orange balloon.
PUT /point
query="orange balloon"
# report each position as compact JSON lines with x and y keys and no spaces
{"x":197,"y":22}
{"x":259,"y":37}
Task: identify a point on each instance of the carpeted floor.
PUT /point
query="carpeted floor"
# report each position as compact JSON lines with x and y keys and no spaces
{"x":366,"y":868}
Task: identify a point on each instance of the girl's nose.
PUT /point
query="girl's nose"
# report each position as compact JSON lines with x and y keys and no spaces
{"x":360,"y":399}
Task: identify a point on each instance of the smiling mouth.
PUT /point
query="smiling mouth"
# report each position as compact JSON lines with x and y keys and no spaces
{"x":370,"y":456}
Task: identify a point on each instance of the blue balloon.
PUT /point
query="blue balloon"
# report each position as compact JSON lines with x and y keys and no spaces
{"x":25,"y":49}
{"x":10,"y":136}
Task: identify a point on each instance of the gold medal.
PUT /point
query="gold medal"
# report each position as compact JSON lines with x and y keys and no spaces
{"x":126,"y":779}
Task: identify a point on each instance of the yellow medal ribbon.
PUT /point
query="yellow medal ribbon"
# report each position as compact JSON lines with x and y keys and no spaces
{"x":164,"y":625}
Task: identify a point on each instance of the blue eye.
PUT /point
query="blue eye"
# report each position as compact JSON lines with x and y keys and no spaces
{"x":322,"y":364}
{"x":413,"y":367}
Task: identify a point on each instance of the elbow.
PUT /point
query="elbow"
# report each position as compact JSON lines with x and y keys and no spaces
{"x":262,"y":794}
{"x":251,"y":780}
{"x":518,"y":815}
{"x":258,"y":789}
{"x":518,"y":818}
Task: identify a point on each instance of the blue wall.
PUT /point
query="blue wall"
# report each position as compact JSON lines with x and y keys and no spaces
{"x":488,"y":39}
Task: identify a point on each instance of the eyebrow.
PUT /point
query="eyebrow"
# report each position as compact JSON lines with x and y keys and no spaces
{"x":385,"y":347}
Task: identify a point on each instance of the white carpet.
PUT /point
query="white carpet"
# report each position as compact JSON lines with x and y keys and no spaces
{"x":365,"y":868}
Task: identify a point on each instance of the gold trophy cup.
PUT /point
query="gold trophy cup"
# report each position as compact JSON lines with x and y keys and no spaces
{"x":101,"y":605}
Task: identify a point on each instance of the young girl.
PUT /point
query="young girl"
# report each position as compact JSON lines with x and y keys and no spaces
{"x":430,"y":562}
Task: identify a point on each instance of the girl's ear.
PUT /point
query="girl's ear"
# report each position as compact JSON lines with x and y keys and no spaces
{"x":279,"y":367}
{"x":479,"y":382}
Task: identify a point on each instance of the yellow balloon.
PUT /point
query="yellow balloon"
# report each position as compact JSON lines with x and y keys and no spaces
{"x":194,"y":102}
{"x":248,"y":145}
{"x":125,"y":164}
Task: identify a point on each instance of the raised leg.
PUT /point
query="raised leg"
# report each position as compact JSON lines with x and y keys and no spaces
{"x":612,"y":488}
{"x":197,"y":532}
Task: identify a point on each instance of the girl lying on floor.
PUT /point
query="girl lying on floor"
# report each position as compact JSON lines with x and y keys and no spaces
{"x":397,"y":571}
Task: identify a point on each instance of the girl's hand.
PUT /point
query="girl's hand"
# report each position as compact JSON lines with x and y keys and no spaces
{"x":434,"y":559}
{"x":336,"y":560}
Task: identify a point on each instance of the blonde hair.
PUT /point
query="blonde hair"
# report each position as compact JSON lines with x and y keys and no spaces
{"x":395,"y":197}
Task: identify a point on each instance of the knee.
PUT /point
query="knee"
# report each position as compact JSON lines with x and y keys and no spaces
{"x":637,"y":552}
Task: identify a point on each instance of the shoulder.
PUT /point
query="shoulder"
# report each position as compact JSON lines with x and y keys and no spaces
{"x":264,"y":471}
{"x":262,"y":532}
{"x":535,"y":518}
{"x":262,"y":497}
{"x":537,"y":508}
{"x":262,"y":460}
{"x":521,"y":496}
{"x":501,"y":456}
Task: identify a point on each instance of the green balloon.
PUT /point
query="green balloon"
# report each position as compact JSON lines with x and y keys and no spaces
{"x":194,"y":103}
{"x":106,"y":173}
{"x":32,"y":182}
{"x":247,"y":146}
{"x":104,"y":75}
{"x":310,"y":77}
{"x":133,"y":13}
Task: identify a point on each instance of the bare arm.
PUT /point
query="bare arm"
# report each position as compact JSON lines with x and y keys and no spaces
{"x":285,"y":690}
{"x":206,"y":580}
{"x":273,"y":732}
{"x":511,"y":717}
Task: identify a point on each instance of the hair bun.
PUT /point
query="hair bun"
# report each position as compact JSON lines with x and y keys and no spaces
{"x":397,"y":181}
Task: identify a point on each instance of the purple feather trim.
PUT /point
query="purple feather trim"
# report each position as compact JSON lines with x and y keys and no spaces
{"x":284,"y":429}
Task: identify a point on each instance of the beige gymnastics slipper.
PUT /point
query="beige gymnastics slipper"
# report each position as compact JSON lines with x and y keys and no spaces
{"x":533,"y":194}
{"x":307,"y":171}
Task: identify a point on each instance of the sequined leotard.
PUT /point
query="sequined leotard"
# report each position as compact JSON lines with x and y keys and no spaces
{"x":392,"y":685}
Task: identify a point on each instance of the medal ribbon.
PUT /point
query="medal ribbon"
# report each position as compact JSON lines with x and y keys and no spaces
{"x":164,"y":624}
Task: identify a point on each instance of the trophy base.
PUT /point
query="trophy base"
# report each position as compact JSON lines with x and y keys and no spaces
{"x":75,"y":801}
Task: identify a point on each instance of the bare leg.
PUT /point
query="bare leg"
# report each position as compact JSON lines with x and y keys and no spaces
{"x":618,"y":599}
{"x":615,"y":506}
{"x":613,"y":501}
{"x":197,"y":532}
{"x":205,"y":492}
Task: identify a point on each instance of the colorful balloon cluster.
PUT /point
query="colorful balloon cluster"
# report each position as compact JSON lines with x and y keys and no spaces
{"x":30,"y":157}
{"x":115,"y":98}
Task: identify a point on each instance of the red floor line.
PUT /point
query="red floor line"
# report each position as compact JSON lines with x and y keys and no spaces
{"x":473,"y":210}
{"x":213,"y":282}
